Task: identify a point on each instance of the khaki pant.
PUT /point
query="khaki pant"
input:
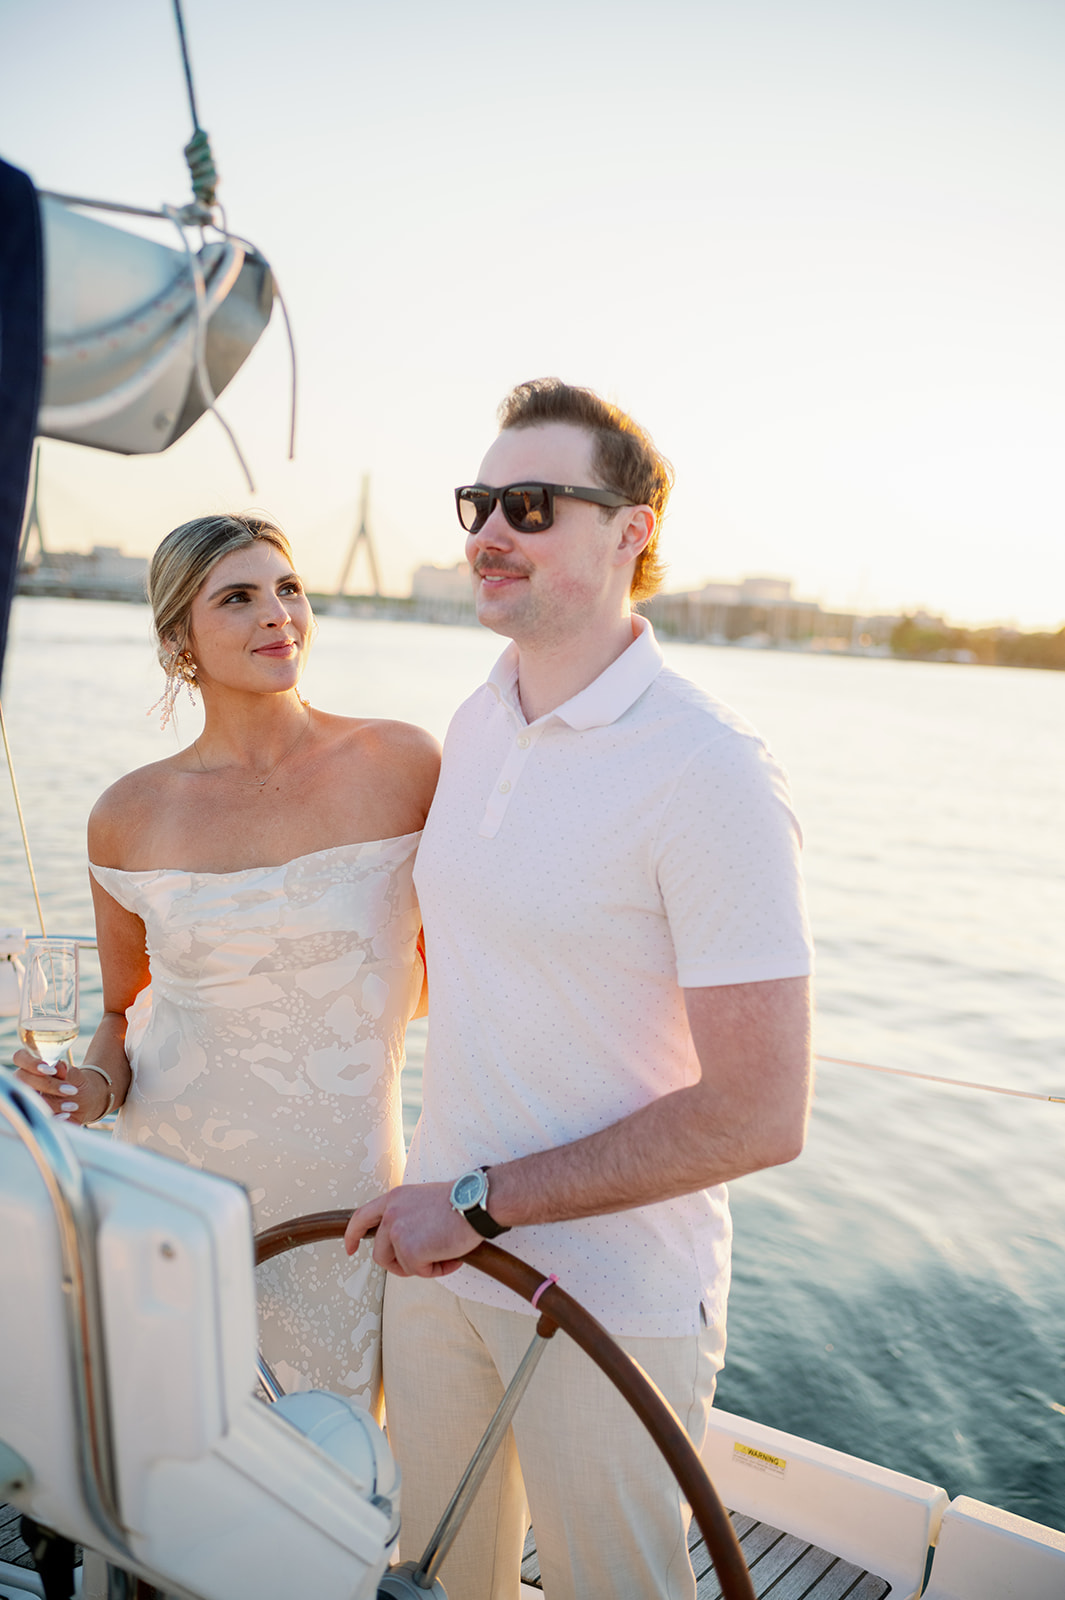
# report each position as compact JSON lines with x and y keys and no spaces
{"x":607,"y":1513}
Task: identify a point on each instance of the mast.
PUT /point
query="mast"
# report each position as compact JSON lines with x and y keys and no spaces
{"x":362,"y":535}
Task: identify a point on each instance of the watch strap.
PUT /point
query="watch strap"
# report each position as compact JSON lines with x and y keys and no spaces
{"x":478,"y":1218}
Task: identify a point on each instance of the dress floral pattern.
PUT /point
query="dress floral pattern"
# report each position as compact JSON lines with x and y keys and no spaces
{"x":268,"y":1047}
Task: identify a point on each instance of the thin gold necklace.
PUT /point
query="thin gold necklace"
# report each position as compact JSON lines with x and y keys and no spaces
{"x":260,"y":783}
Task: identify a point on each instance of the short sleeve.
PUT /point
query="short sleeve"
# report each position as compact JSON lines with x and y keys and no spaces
{"x":727,"y":858}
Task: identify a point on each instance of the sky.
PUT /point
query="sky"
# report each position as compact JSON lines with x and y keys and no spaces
{"x":817,"y":247}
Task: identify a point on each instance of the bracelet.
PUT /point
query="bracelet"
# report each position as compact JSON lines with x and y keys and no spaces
{"x":87,"y":1066}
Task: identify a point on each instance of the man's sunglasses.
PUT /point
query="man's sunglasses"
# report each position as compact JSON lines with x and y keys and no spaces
{"x":528,"y":507}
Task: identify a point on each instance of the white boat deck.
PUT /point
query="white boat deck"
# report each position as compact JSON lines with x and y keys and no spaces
{"x":781,"y":1566}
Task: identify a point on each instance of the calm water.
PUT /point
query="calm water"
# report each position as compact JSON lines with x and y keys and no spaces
{"x":900,"y":1291}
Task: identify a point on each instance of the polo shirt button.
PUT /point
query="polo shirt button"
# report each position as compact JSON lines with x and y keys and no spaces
{"x":504,"y":787}
{"x":523,"y":743}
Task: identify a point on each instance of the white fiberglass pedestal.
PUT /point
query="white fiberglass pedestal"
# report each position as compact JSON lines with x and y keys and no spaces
{"x":128,"y":1415}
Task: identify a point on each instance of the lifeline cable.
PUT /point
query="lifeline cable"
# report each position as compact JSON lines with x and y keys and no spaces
{"x":953,"y":1083}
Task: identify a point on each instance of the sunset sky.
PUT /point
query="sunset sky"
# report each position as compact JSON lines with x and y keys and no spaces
{"x":816,"y":246}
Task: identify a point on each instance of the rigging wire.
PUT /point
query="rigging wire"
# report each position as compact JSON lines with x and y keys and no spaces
{"x":185,"y":58}
{"x":101,"y":205}
{"x":204,"y":184}
{"x":198,"y":154}
{"x":204,"y":177}
{"x":21,"y":821}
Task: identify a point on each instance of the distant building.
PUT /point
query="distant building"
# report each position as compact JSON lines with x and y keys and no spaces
{"x":443,"y":594}
{"x":717,"y":594}
{"x":763,"y":612}
{"x":441,"y":583}
{"x":749,"y":592}
{"x":103,"y":573}
{"x":766,"y":592}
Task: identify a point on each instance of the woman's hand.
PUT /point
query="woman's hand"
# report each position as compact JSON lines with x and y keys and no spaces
{"x":71,"y":1093}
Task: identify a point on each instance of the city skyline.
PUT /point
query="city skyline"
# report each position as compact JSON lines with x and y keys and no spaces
{"x":817,"y":249}
{"x":445,"y":593}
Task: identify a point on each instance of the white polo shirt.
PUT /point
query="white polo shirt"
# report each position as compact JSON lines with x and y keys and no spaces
{"x":575,"y":875}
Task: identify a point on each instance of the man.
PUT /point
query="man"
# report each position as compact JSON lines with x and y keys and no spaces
{"x":618,"y":955}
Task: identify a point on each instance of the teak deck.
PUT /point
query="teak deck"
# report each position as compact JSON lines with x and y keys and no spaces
{"x":12,"y":1548}
{"x":782,"y":1567}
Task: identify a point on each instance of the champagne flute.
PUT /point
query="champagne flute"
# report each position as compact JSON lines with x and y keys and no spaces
{"x":48,"y":1011}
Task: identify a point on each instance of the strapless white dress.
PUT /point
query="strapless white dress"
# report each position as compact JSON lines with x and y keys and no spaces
{"x":268,"y":1048}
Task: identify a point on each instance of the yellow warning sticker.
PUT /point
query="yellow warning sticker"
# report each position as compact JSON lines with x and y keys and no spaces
{"x":761,"y":1460}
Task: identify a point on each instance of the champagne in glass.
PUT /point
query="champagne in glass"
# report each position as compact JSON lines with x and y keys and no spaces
{"x":48,"y":1013}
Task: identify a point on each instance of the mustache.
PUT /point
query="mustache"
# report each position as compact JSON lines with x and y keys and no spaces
{"x":485,"y":564}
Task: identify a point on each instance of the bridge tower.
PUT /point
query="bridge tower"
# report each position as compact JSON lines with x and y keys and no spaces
{"x":362,"y":536}
{"x":32,"y":524}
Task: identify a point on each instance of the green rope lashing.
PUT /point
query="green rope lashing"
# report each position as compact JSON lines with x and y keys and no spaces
{"x":202,"y":169}
{"x":201,"y":165}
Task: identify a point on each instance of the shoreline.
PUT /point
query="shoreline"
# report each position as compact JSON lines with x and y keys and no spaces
{"x":461,"y":614}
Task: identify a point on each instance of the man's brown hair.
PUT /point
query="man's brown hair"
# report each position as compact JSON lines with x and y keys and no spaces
{"x":624,"y":457}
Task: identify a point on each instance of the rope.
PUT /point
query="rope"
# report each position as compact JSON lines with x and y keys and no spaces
{"x":953,"y":1083}
{"x":21,"y":821}
{"x":236,"y":239}
{"x":202,"y":170}
{"x":201,"y":344}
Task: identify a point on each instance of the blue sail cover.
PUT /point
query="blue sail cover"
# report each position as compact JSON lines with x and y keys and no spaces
{"x":21,"y":361}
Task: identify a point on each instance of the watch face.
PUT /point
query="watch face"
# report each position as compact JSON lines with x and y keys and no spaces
{"x":468,"y":1190}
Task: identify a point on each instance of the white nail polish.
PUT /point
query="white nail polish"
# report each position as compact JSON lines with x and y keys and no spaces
{"x":45,"y":1070}
{"x":69,"y":1090}
{"x":62,"y":1116}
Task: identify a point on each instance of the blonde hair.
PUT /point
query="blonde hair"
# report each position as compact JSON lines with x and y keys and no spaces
{"x":182,"y":562}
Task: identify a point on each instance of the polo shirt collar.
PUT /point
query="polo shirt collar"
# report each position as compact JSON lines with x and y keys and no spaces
{"x":607,"y":697}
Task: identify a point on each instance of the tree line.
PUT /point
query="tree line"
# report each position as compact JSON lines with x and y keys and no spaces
{"x":928,"y":640}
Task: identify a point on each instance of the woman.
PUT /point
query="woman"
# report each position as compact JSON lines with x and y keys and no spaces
{"x":257,"y":930}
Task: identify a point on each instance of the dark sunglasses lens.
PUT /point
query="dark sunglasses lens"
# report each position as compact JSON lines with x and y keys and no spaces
{"x":473,"y":509}
{"x":528,"y":509}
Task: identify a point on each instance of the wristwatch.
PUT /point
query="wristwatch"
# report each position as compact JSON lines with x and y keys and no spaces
{"x":468,"y":1196}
